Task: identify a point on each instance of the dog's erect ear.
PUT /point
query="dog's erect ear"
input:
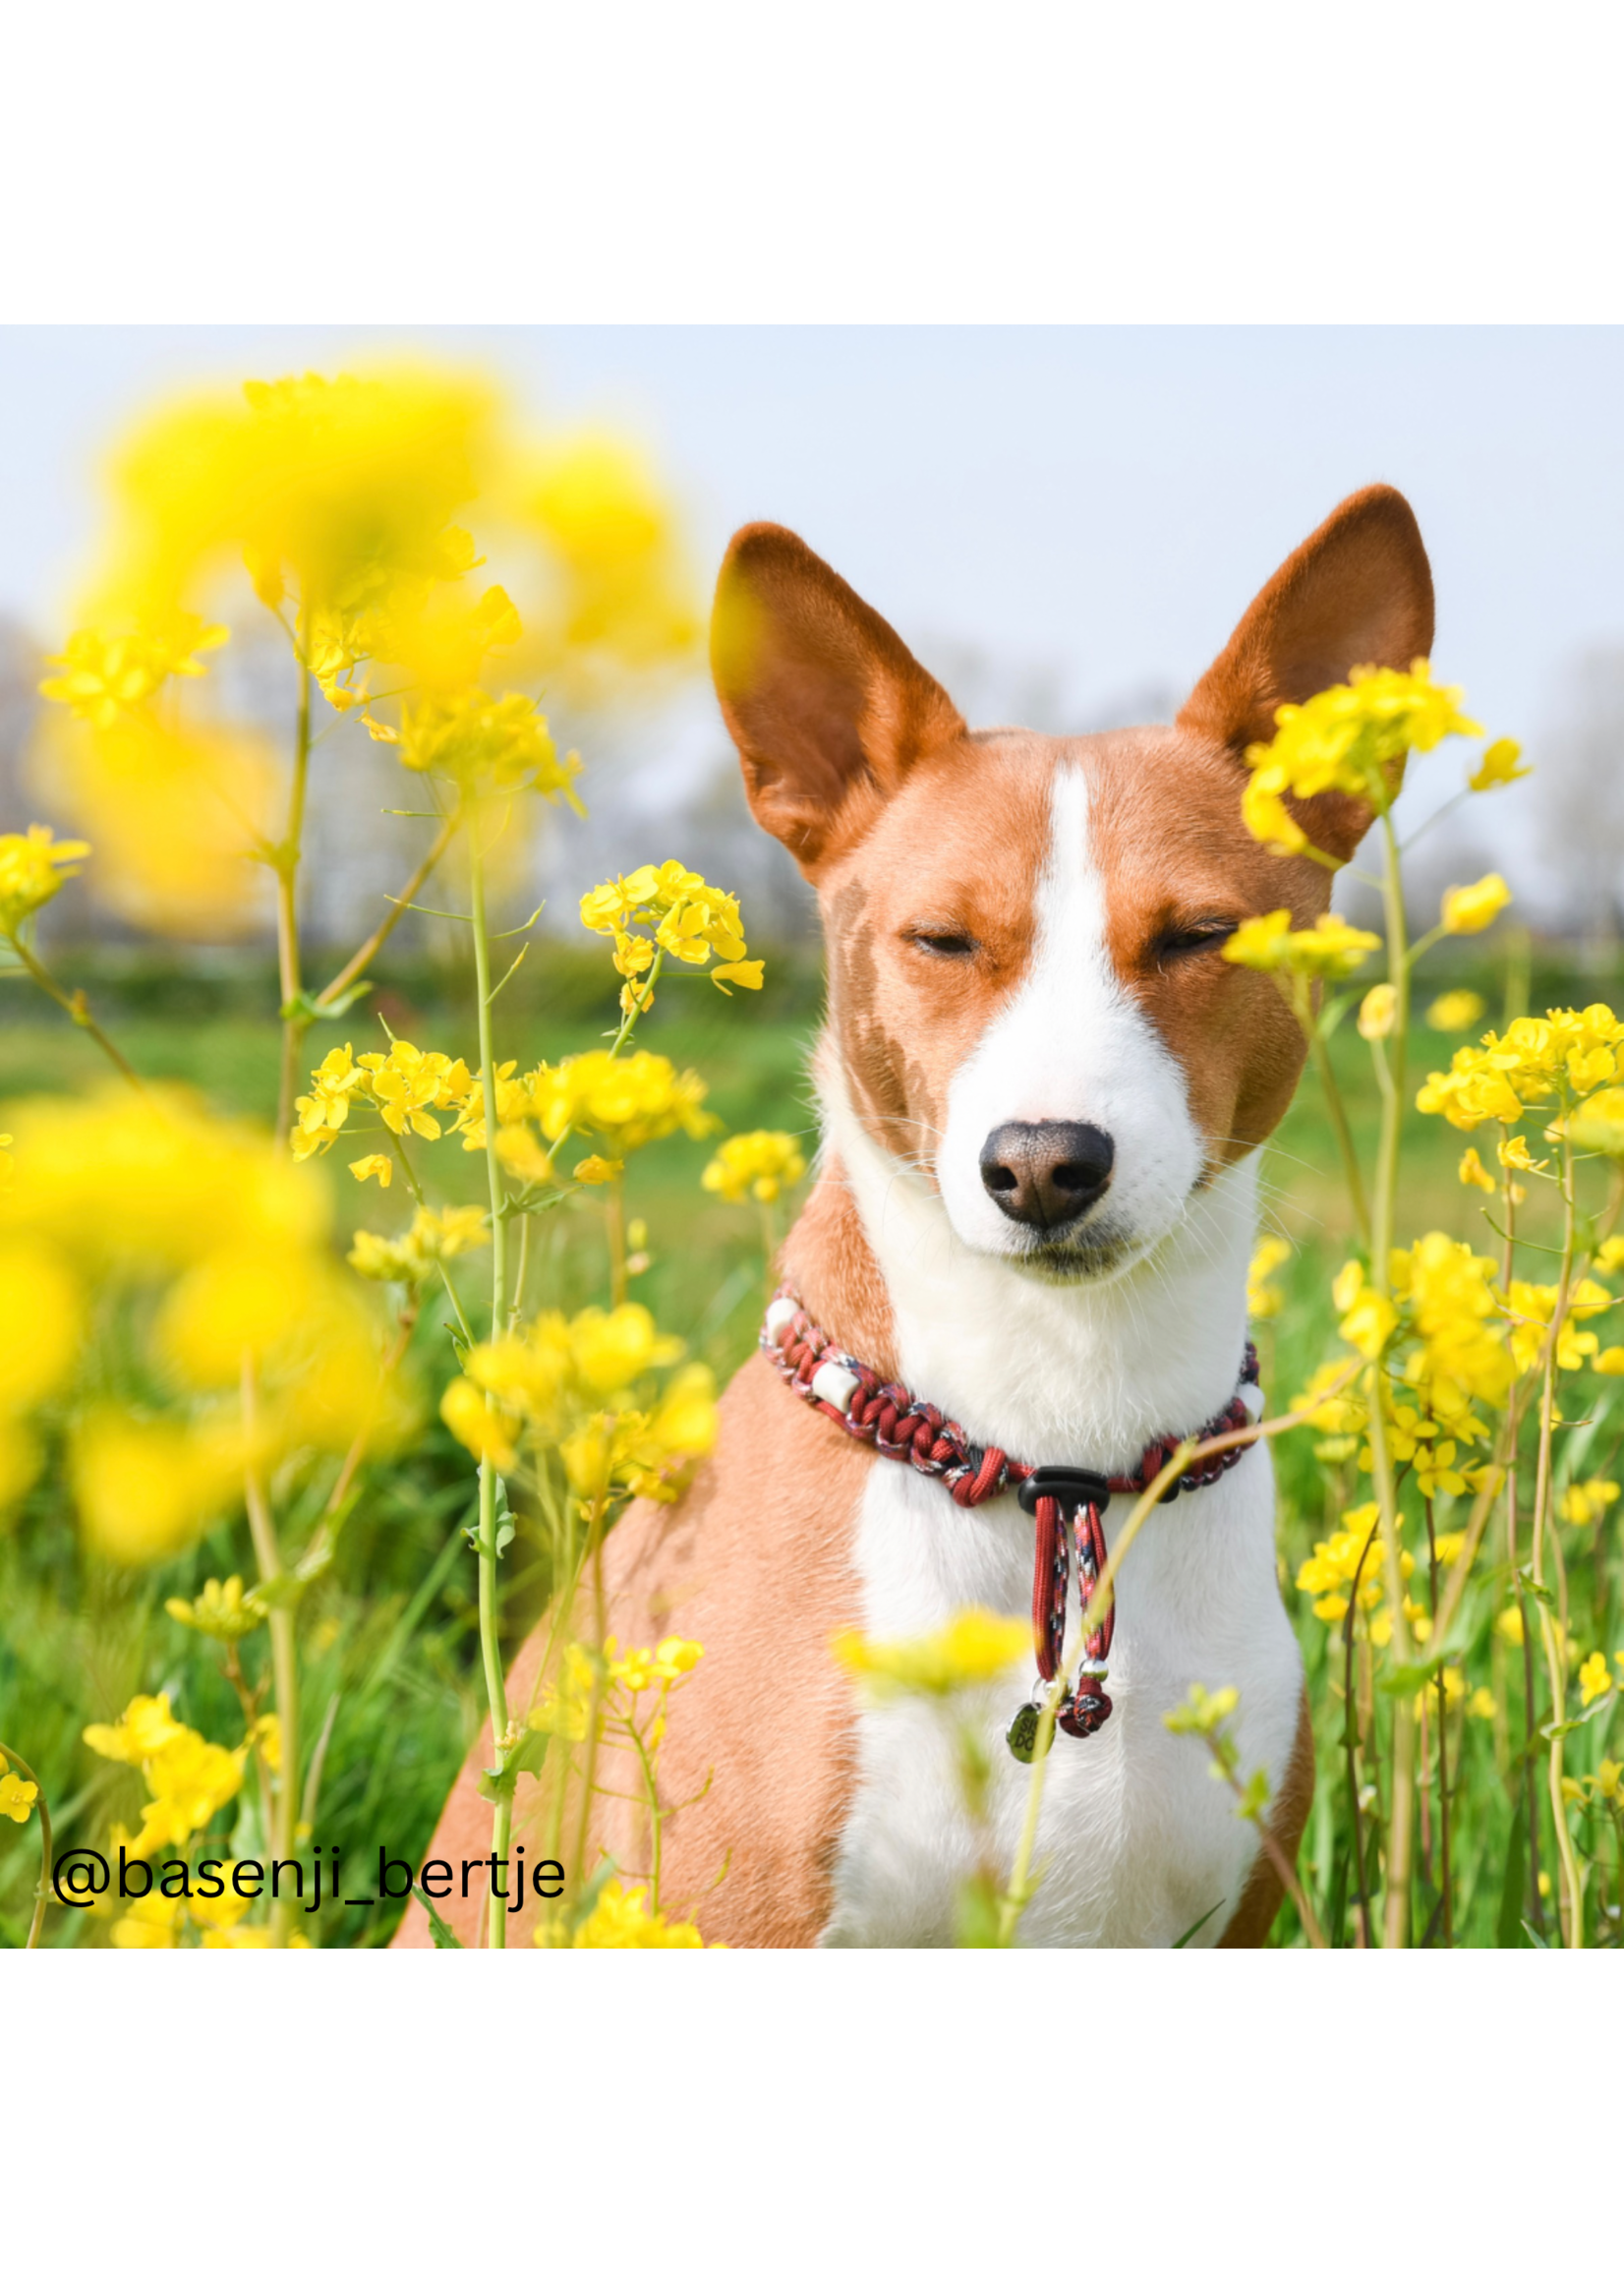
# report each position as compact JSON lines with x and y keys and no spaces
{"x":827,"y":706}
{"x":1357,"y":591}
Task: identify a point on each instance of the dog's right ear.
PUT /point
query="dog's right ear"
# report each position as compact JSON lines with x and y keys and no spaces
{"x":827,"y":706}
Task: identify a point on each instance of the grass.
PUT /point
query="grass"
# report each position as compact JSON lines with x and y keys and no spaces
{"x":391,"y":1628}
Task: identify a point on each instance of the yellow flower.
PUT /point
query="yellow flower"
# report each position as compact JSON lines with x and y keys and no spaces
{"x":1609,"y":1256}
{"x":1474,"y":907}
{"x":1262,"y":1300}
{"x":621,"y":1921}
{"x":1453,"y":1012}
{"x":144,"y":1728}
{"x":190,"y":1780}
{"x":1378,"y":1013}
{"x":152,"y":1923}
{"x":221,"y":1611}
{"x":376,"y":1165}
{"x":477,"y":1427}
{"x":1583,"y":1503}
{"x":103,"y":675}
{"x":32,"y":870}
{"x":1334,"y":1417}
{"x":1203,"y":1710}
{"x":520,"y":1154}
{"x":1598,"y":1127}
{"x":1350,"y":739}
{"x":436,"y":1236}
{"x":1500,"y":764}
{"x":595,"y":1170}
{"x":1473,"y":1172}
{"x":497,"y":743}
{"x":631,"y":1101}
{"x":1609,"y":1778}
{"x":686,"y":917}
{"x":18,"y":1795}
{"x":1508,"y":1625}
{"x":1533,"y":1062}
{"x":1328,"y":1573}
{"x":146,"y":1486}
{"x":37,"y":1286}
{"x":1332,"y":950}
{"x":1480,"y":1705}
{"x":1368,"y":1319}
{"x":759,"y":1166}
{"x":973,"y":1647}
{"x":1594,"y":1682}
{"x":1610,"y":1361}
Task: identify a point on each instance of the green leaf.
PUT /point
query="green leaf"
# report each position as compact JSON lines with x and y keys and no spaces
{"x":441,"y":1935}
{"x":1190,"y":1933}
{"x":526,"y":1759}
{"x":1339,"y":1898}
{"x":1534,"y":1936}
{"x":1508,"y":1926}
{"x":303,"y":1009}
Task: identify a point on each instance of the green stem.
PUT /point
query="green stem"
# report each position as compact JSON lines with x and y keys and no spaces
{"x":285,"y":865}
{"x":370,"y":947}
{"x":36,"y":1925}
{"x":77,"y":1010}
{"x":490,"y":1638}
{"x":1339,"y":1122}
{"x":1553,"y":1632}
{"x":284,"y":1659}
{"x":1396,"y":1911}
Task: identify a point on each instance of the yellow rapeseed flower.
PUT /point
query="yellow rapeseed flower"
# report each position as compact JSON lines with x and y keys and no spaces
{"x":376,"y":1165}
{"x":33,"y":867}
{"x":1262,"y":1300}
{"x":144,"y":1728}
{"x":1378,"y":1013}
{"x":1500,"y":764}
{"x":222,"y":1611}
{"x":973,"y":1647}
{"x":1350,"y":739}
{"x":1474,"y":907}
{"x":630,"y":1101}
{"x":758,"y":1166}
{"x":1594,"y":1682}
{"x":1473,"y":1172}
{"x":621,"y":1921}
{"x":18,"y":1795}
{"x":1533,"y":1063}
{"x":1330,"y":950}
{"x":1597,"y":1126}
{"x":1584,"y":1504}
{"x":1453,"y":1012}
{"x":102,"y":675}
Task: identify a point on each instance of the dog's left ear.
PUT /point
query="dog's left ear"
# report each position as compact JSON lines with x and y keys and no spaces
{"x":1357,"y":591}
{"x":827,"y":706}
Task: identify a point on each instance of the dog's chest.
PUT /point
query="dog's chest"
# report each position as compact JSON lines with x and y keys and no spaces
{"x":1137,"y":1842}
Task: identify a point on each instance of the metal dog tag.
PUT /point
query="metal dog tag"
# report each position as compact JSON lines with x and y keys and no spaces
{"x":1021,"y":1734}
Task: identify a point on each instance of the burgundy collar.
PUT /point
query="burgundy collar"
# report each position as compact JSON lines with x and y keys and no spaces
{"x":903,"y":1428}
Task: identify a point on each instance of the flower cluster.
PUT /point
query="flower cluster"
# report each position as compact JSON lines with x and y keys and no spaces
{"x":32,"y":869}
{"x":190,"y":1780}
{"x":668,"y":911}
{"x":485,"y":742}
{"x":1329,"y":950}
{"x":1549,"y":1061}
{"x":760,"y":1165}
{"x":212,"y":1256}
{"x":617,"y":1677}
{"x":436,"y":1236}
{"x":1264,"y":1300}
{"x":1353,"y":1562}
{"x":102,"y":676}
{"x":1351,"y":738}
{"x":622,"y":1920}
{"x":581,"y":1385}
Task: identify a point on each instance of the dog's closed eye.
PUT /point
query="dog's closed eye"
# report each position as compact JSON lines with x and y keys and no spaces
{"x":1179,"y":940}
{"x":931,"y":941}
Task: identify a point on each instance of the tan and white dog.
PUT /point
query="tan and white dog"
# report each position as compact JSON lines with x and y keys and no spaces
{"x":1042,"y":1093}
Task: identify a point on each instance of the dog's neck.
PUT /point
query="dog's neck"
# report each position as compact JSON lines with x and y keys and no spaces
{"x":1084,"y":1373}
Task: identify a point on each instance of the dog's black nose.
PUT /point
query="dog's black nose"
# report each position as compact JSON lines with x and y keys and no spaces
{"x":1045,"y":1172}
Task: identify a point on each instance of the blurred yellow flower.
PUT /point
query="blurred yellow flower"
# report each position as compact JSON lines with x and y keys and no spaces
{"x":1474,"y":907}
{"x":1597,"y":1126}
{"x":1473,"y":1172}
{"x":376,"y":1165}
{"x":1508,"y":1625}
{"x":1454,"y":1012}
{"x":478,"y":1425}
{"x":1584,"y":1504}
{"x":37,"y":1286}
{"x":1368,"y":1318}
{"x":595,"y":1170}
{"x":497,"y":743}
{"x":759,"y":1166}
{"x":1378,"y":1013}
{"x":1500,"y":764}
{"x":145,"y":1485}
{"x":102,"y":675}
{"x":222,"y":1611}
{"x":1594,"y":1682}
{"x":32,"y":870}
{"x":152,"y":1923}
{"x":1203,"y":1710}
{"x":144,"y":1728}
{"x":1262,"y":1300}
{"x":973,"y":1647}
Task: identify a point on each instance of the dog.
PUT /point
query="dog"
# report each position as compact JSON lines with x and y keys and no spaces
{"x":1043,"y":1090}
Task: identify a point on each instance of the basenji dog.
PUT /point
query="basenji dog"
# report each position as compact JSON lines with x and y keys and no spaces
{"x":1043,"y":1090}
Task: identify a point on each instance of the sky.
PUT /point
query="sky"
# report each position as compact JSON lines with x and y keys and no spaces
{"x":1095,"y":506}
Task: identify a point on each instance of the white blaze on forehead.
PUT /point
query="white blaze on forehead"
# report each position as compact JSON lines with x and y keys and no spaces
{"x":1073,"y":1045}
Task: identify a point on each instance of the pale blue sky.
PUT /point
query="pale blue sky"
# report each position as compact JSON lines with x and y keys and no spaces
{"x":1099,"y":501}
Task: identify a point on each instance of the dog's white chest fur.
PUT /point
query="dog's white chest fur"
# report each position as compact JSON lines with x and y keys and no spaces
{"x":1138,"y":1841}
